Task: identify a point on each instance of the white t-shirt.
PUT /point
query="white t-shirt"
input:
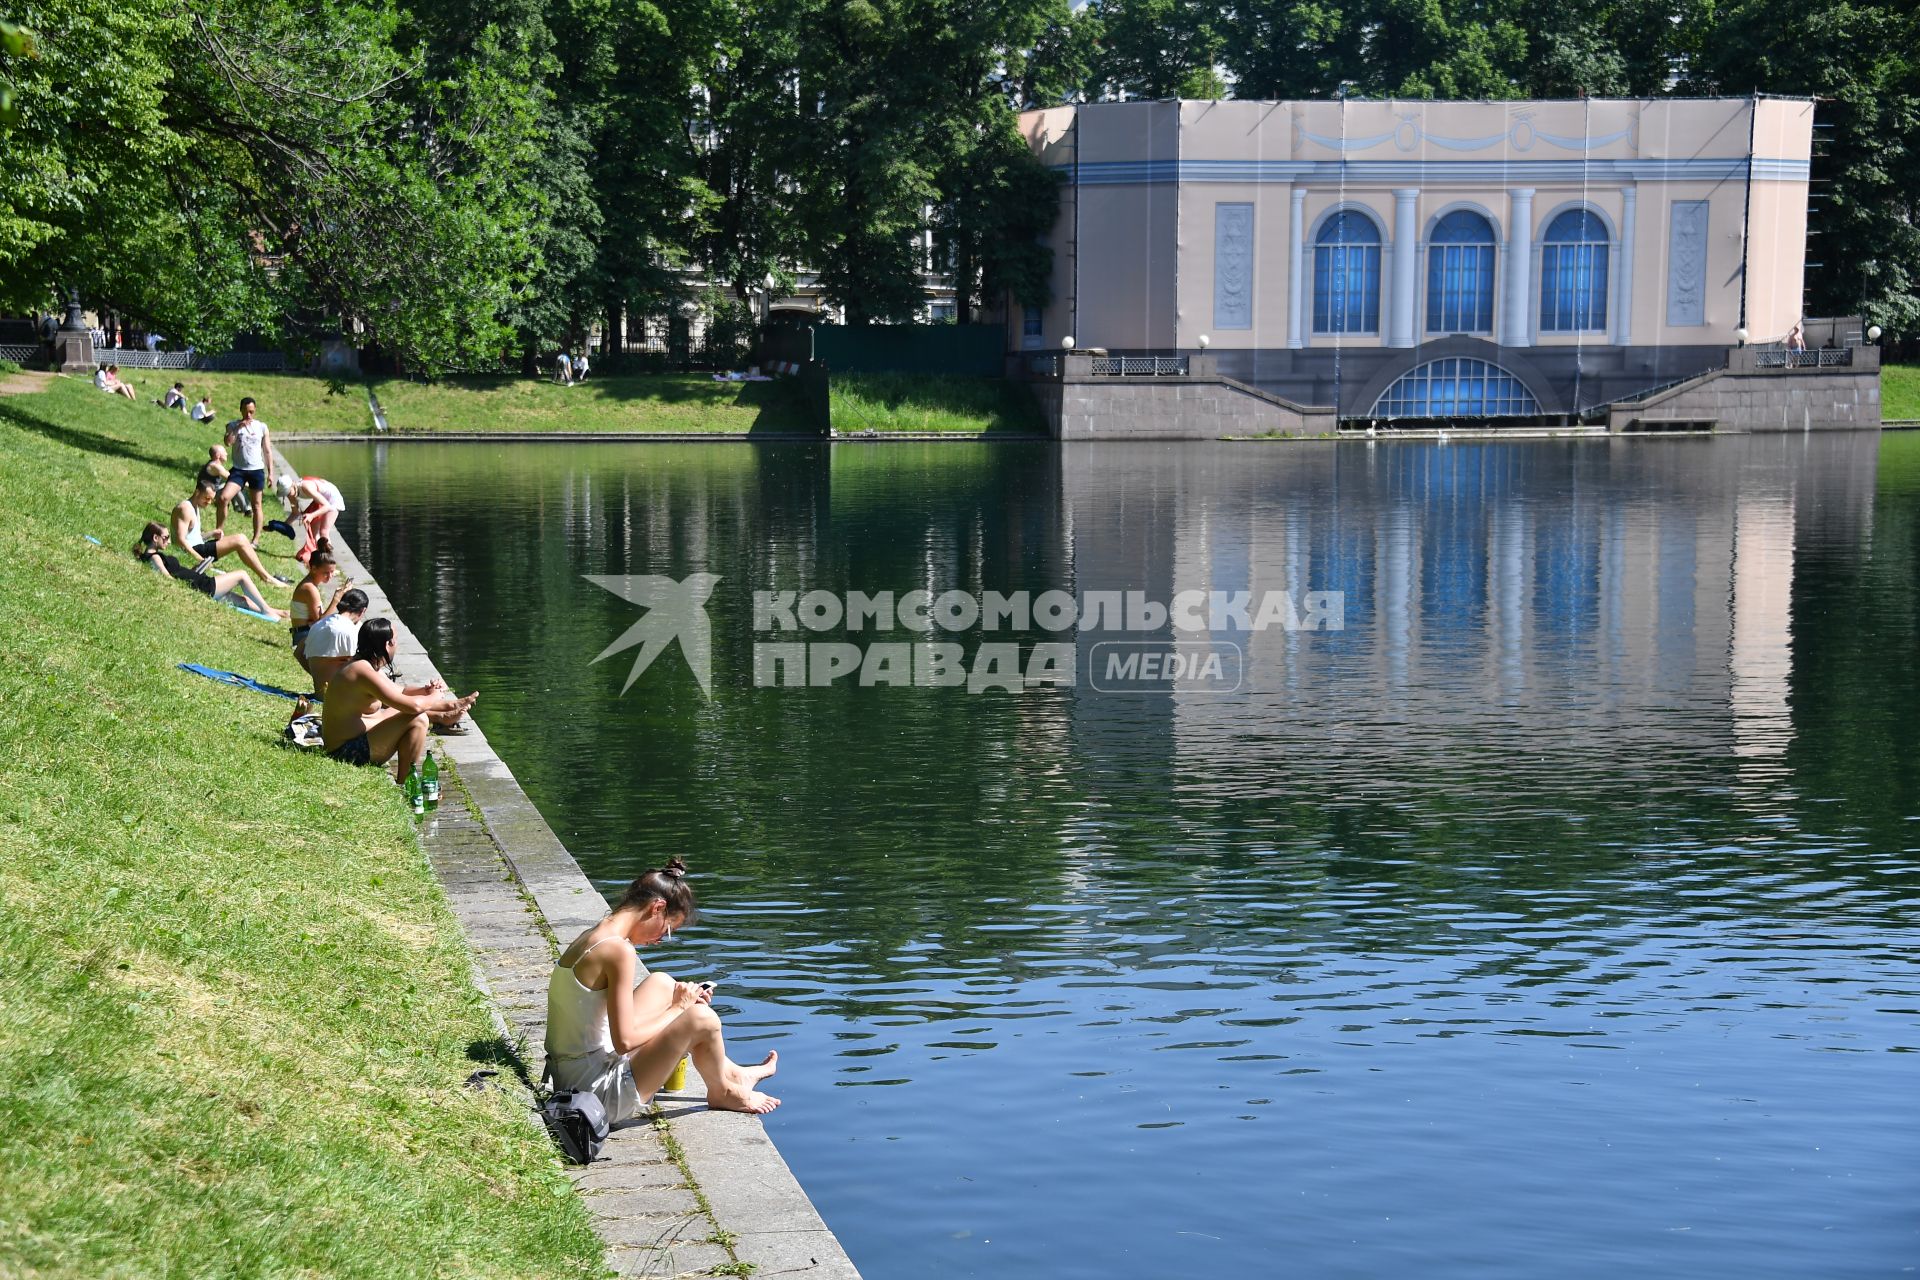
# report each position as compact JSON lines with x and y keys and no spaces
{"x":334,"y":636}
{"x":249,"y":439}
{"x":202,"y":412}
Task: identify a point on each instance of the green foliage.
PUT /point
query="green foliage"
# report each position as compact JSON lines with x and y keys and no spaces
{"x":1900,"y":392}
{"x":1158,"y":49}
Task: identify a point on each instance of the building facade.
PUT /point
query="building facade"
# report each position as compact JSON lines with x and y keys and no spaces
{"x":1428,"y":259}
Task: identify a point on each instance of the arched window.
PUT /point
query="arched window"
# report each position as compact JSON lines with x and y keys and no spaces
{"x":1456,"y":388}
{"x":1460,"y":274}
{"x":1573,"y":273}
{"x":1346,"y":275}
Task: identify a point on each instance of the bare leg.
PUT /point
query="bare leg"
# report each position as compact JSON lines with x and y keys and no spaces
{"x":257,"y":499}
{"x":399,"y":736}
{"x":239,"y":584}
{"x":231,"y":543}
{"x":228,"y":492}
{"x":730,"y":1087}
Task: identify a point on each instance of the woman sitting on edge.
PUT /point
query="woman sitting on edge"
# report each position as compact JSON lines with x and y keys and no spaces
{"x":151,"y":550}
{"x":617,"y":1030}
{"x":368,"y":719}
{"x":306,"y":608}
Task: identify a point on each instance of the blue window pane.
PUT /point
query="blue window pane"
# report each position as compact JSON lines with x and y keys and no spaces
{"x":1456,"y":388}
{"x":1030,"y":322}
{"x":1460,"y":274}
{"x":1573,"y":273}
{"x":1346,"y":275}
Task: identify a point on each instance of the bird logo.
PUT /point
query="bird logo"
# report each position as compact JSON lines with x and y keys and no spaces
{"x":676,"y":610}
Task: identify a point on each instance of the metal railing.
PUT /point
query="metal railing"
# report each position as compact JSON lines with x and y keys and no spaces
{"x":1140,"y":366}
{"x":20,"y":353}
{"x":1819,"y":358}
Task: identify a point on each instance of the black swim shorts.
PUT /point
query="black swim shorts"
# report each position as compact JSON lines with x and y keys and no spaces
{"x":355,"y":751}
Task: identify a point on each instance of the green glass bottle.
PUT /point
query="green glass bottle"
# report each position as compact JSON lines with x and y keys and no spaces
{"x":430,"y":781}
{"x":416,"y":799}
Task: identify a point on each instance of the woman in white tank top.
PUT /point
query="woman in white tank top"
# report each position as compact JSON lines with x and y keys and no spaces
{"x":616,"y":1029}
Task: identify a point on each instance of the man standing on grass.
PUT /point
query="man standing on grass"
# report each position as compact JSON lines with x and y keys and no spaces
{"x":252,"y":447}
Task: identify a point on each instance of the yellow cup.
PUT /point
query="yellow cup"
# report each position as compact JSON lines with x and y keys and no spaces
{"x":677,"y":1078}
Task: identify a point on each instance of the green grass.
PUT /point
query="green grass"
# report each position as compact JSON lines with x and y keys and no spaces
{"x":235,"y":1012}
{"x":922,"y":402}
{"x":1900,"y":391}
{"x":667,"y":402}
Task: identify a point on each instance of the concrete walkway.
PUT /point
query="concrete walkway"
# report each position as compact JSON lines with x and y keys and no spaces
{"x":693,"y":1191}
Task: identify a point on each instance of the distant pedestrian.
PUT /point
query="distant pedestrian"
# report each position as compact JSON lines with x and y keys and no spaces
{"x":563,"y":369}
{"x":176,"y":398}
{"x":1796,"y":344}
{"x":580,"y":367}
{"x":203,"y":408}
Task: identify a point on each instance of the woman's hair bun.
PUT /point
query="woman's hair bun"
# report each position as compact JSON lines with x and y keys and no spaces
{"x":325,"y":545}
{"x":674,"y":870}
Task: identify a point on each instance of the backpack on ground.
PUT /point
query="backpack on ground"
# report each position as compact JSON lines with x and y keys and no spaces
{"x":576,"y":1118}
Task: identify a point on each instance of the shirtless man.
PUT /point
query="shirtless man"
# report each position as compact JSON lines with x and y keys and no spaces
{"x":188,"y":535}
{"x":368,"y":719}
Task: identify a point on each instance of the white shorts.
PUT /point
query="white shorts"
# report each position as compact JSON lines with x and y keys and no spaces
{"x":607,"y":1076}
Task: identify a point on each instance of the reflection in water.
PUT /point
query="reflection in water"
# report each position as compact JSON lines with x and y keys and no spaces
{"x":1556,"y":916}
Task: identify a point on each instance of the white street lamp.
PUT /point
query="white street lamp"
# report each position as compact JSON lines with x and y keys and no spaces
{"x":1066,"y":343}
{"x":1203,"y":340}
{"x":1740,"y":336}
{"x":1873,"y":333}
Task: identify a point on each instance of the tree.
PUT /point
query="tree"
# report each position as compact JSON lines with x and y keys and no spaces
{"x":1157,"y":49}
{"x":303,"y":175}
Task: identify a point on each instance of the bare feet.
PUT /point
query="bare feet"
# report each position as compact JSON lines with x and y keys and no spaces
{"x":760,"y":1070}
{"x":738,"y":1093}
{"x":751,"y":1101}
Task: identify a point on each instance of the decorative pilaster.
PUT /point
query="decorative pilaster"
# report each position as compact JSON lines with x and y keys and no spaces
{"x":1406,"y":265}
{"x":1516,"y":321}
{"x":1296,"y":272}
{"x":1623,"y":270}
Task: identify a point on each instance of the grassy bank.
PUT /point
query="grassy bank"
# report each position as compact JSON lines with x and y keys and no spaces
{"x":1900,"y":391}
{"x":922,"y":402}
{"x":667,"y":402}
{"x":235,"y":1013}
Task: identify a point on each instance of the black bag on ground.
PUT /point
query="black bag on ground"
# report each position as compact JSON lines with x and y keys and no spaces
{"x":578,"y":1122}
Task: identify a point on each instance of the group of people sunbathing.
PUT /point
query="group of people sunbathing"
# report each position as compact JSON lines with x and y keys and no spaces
{"x":372,"y":719}
{"x":614,"y":1028}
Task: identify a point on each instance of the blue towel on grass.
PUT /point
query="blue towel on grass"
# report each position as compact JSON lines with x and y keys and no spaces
{"x":243,"y":682}
{"x":251,"y":613}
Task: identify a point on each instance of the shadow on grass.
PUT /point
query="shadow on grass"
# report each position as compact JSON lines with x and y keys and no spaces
{"x":88,"y":441}
{"x":501,"y":1055}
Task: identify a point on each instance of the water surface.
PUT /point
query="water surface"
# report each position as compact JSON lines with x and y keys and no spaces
{"x":1557,"y":917}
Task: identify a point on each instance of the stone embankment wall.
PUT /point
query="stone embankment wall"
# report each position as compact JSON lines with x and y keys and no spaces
{"x":1747,"y":397}
{"x":1201,"y":405}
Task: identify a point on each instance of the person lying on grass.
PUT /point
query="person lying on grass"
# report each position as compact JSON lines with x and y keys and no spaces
{"x":307,"y":609}
{"x":188,"y":535}
{"x":368,"y":719}
{"x":235,"y":587}
{"x":618,"y":1030}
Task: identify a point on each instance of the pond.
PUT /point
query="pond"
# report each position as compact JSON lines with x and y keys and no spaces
{"x":1555,"y":915}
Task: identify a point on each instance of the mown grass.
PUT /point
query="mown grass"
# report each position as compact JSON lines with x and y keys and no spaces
{"x":235,"y":1012}
{"x":667,"y":402}
{"x":1900,"y":391}
{"x":923,"y":402}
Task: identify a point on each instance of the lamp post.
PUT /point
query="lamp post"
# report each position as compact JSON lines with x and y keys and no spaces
{"x":1066,"y":343}
{"x":1740,"y":337}
{"x":1873,"y":333}
{"x":76,"y":318}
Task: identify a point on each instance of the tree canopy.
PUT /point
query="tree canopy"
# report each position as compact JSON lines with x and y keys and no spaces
{"x":465,"y":181}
